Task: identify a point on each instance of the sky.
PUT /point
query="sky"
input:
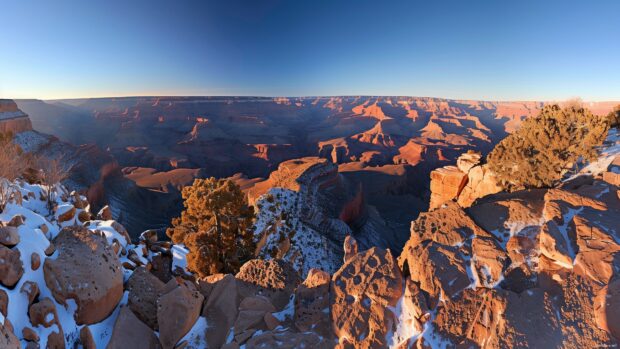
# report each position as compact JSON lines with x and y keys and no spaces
{"x":477,"y":49}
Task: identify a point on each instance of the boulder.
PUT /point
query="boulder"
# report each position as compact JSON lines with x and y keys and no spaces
{"x":273,"y":278}
{"x":144,"y":290}
{"x":8,"y":340}
{"x":31,"y":290}
{"x":67,"y":214}
{"x":362,"y":290}
{"x":86,"y":270}
{"x":446,"y":185}
{"x":221,"y":307}
{"x":130,"y":332}
{"x":178,"y":309}
{"x":11,"y":268}
{"x":43,"y":313}
{"x":252,"y":312}
{"x":9,"y":236}
{"x":350,"y":247}
{"x":105,"y":214}
{"x":35,"y":261}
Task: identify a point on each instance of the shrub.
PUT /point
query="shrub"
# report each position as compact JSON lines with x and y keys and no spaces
{"x":614,"y":117}
{"x":546,"y":147}
{"x":13,"y":162}
{"x":215,"y":226}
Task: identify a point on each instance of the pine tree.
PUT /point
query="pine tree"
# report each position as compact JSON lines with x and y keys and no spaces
{"x":216,"y":227}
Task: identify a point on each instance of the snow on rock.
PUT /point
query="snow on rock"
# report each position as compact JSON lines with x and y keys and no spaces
{"x":281,"y":234}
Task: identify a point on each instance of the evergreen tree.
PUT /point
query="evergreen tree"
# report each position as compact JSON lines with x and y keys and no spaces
{"x":216,"y":227}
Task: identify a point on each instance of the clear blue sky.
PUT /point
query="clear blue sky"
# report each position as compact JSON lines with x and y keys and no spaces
{"x":527,"y":50}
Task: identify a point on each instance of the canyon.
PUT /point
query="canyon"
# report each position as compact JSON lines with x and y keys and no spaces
{"x":535,"y":267}
{"x":383,"y":148}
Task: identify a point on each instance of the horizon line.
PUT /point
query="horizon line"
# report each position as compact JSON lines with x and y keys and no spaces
{"x":320,"y":96}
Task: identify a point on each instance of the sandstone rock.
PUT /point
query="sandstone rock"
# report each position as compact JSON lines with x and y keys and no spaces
{"x":105,"y":214}
{"x":30,"y":335}
{"x":608,"y":310}
{"x":149,"y":236}
{"x":31,"y":290}
{"x":130,"y":332}
{"x":489,"y":261}
{"x":9,"y":236}
{"x":446,"y":185}
{"x":598,"y":254}
{"x":554,"y":246}
{"x":161,"y":265}
{"x":86,"y":338}
{"x":273,"y":278}
{"x":481,"y":182}
{"x":221,"y":307}
{"x":286,"y":339}
{"x":11,"y":268}
{"x":84,"y":216}
{"x":67,"y":215}
{"x":39,"y":313}
{"x":17,"y":221}
{"x":350,"y":247}
{"x":252,"y":312}
{"x":440,"y":270}
{"x":468,"y":160}
{"x":51,"y":248}
{"x":8,"y":339}
{"x":271,"y":321}
{"x":144,"y":290}
{"x":178,"y":309}
{"x":35,"y":261}
{"x":56,"y":340}
{"x":362,"y":290}
{"x":473,"y":318}
{"x":87,"y":271}
{"x":448,"y":225}
{"x":312,"y":303}
{"x":4,"y":303}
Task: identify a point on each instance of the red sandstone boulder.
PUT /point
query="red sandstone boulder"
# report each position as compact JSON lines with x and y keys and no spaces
{"x":144,"y":290}
{"x":86,"y":270}
{"x":272,"y":278}
{"x":9,"y":236}
{"x":130,"y":332}
{"x":11,"y":268}
{"x":178,"y":309}
{"x":220,"y":308}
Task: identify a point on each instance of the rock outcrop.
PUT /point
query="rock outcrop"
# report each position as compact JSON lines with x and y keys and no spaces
{"x":12,"y":119}
{"x":464,"y":183}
